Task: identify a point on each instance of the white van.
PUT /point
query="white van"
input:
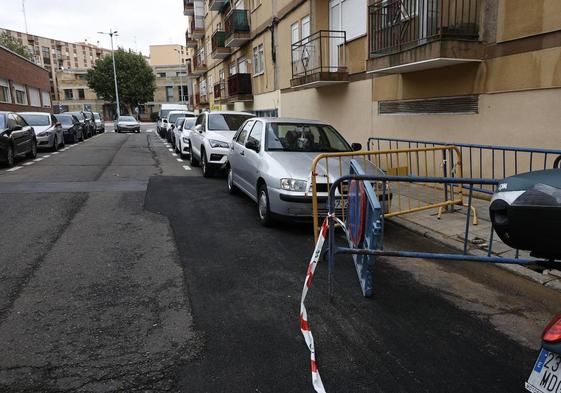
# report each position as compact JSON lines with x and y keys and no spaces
{"x":164,"y":112}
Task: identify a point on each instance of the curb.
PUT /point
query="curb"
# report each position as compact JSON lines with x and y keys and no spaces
{"x":549,"y":281}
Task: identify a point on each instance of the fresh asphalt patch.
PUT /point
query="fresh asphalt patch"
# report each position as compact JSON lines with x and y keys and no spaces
{"x":245,"y":281}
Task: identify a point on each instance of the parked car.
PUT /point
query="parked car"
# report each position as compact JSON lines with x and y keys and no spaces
{"x":171,"y":119}
{"x":182,"y":136}
{"x":270,"y":160}
{"x":178,"y":125}
{"x":99,"y":124}
{"x":86,"y":126}
{"x":73,"y":131}
{"x":16,"y":138}
{"x":210,"y":140}
{"x":127,"y":124}
{"x":163,"y":116}
{"x":546,"y":374}
{"x":48,"y":130}
{"x":90,"y":121}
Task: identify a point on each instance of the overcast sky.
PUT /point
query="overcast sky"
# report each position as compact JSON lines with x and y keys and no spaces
{"x":140,"y":22}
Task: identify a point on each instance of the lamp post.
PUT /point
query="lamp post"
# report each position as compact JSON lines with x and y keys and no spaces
{"x":180,"y":77}
{"x":111,"y":34}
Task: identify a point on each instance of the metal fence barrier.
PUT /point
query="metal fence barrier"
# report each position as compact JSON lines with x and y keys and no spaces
{"x":402,"y":197}
{"x":482,"y":161}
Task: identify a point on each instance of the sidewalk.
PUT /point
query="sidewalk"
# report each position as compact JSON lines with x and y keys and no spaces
{"x":450,"y":230}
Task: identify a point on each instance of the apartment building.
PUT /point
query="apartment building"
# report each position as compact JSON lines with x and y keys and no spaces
{"x":75,"y":95}
{"x":166,"y":54}
{"x":55,"y":55}
{"x":479,"y":71}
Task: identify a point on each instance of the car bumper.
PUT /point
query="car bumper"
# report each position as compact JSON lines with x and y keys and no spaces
{"x":45,"y":141}
{"x":218,"y":157}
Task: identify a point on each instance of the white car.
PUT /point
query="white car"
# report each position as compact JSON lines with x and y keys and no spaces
{"x":163,"y":115}
{"x":172,"y":117}
{"x":48,"y":130}
{"x":210,"y":140}
{"x":181,"y":136}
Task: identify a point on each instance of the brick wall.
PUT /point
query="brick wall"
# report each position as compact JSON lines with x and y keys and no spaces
{"x":16,"y":69}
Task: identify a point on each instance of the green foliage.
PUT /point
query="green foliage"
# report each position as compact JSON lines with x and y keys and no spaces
{"x":136,"y":80}
{"x":14,"y":45}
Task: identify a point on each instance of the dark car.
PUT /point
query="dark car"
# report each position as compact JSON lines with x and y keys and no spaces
{"x":73,"y":131}
{"x":90,"y":120}
{"x":127,"y":124}
{"x":16,"y":138}
{"x":546,"y":374}
{"x":86,"y":125}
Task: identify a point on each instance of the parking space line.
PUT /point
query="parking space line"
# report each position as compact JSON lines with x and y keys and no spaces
{"x":187,"y":167}
{"x":179,"y":160}
{"x":174,"y":154}
{"x":14,"y":169}
{"x":39,"y":159}
{"x":56,"y":152}
{"x":47,"y":156}
{"x":28,"y":163}
{"x":170,"y":149}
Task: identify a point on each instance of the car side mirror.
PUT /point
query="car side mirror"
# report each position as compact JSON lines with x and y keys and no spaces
{"x":199,"y":128}
{"x":252,"y":144}
{"x":172,"y":126}
{"x":165,"y":120}
{"x":356,"y":146}
{"x":17,"y":128}
{"x":57,"y":124}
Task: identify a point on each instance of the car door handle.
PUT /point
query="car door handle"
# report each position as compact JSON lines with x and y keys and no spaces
{"x":242,"y":153}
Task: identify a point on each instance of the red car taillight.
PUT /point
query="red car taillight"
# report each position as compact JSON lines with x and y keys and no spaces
{"x":552,"y":332}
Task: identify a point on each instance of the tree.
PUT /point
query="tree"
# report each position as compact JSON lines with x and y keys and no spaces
{"x":14,"y":45}
{"x":135,"y":78}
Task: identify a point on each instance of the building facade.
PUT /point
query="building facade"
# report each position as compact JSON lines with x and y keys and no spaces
{"x":479,"y":71}
{"x":60,"y":59}
{"x":24,"y":86}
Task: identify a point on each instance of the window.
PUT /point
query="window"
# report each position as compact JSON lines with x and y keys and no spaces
{"x":46,"y":55}
{"x":21,"y":94}
{"x":343,"y":16}
{"x":256,"y":134}
{"x":243,"y":133}
{"x":226,"y":122}
{"x":169,"y":93}
{"x":295,"y":33}
{"x":161,"y":74}
{"x":306,"y":26}
{"x":34,"y":97}
{"x":242,"y":65}
{"x":5,"y":95}
{"x":233,"y":69}
{"x":210,"y":84}
{"x":304,"y":138}
{"x":45,"y":96}
{"x":81,"y":94}
{"x":258,"y":60}
{"x":68,"y":94}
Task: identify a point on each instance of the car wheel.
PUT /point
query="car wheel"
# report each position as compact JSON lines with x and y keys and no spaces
{"x":55,"y":144}
{"x":263,"y":207}
{"x":33,"y":152}
{"x":207,"y":172}
{"x":192,"y":160}
{"x":10,"y":158}
{"x":232,"y":189}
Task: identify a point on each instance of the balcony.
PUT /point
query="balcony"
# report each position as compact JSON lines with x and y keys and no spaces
{"x":220,"y":94}
{"x":320,"y":60}
{"x":217,"y":5}
{"x":199,"y":63}
{"x":190,"y":74}
{"x":189,"y":41}
{"x":237,"y":28}
{"x":239,"y":88}
{"x":188,"y":8}
{"x":414,"y":35}
{"x":219,"y":50}
{"x":197,"y":27}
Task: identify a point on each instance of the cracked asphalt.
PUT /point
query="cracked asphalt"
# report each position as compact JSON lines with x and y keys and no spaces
{"x":123,"y":270}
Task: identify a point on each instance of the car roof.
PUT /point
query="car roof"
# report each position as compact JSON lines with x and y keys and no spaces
{"x":289,"y":120}
{"x":35,"y":113}
{"x":180,"y":111}
{"x":228,"y":113}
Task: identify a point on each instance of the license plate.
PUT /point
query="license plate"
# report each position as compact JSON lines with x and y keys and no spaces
{"x":546,"y":374}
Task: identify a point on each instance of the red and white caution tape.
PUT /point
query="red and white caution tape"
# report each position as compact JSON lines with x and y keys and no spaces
{"x":304,"y":325}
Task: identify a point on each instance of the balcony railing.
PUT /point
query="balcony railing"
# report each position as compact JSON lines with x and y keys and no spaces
{"x":217,"y":5}
{"x":199,"y":62}
{"x":197,"y":27}
{"x":239,"y":88}
{"x":399,"y":25}
{"x":237,"y":28}
{"x":219,"y":50}
{"x":220,"y":91}
{"x":188,"y":8}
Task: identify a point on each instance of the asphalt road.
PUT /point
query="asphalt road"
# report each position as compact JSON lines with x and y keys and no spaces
{"x":123,"y":269}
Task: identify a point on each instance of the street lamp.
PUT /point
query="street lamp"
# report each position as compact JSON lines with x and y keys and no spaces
{"x":180,"y":76}
{"x":111,"y":34}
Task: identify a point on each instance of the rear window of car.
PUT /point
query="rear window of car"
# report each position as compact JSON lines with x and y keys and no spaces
{"x":174,"y":116}
{"x":37,"y":120}
{"x":79,"y":115}
{"x":66,"y":120}
{"x":189,"y":122}
{"x":226,"y":122}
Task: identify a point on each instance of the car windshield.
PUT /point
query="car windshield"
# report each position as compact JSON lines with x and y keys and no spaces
{"x":77,"y":114}
{"x":2,"y":122}
{"x":189,"y":123}
{"x":65,"y":120}
{"x":226,"y":122}
{"x":314,"y":138}
{"x":37,"y":120}
{"x":127,"y":118}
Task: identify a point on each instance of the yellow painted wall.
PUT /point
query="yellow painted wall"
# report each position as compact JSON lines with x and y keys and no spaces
{"x":522,"y":18}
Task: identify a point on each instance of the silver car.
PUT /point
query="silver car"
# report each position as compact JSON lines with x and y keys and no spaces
{"x":270,"y":160}
{"x":127,"y":124}
{"x":48,"y":130}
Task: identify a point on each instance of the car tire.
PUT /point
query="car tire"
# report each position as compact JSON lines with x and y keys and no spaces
{"x":10,"y":157}
{"x":232,"y":189}
{"x":33,"y":152}
{"x":192,"y":160}
{"x":207,"y":171}
{"x":55,"y":145}
{"x":263,"y":207}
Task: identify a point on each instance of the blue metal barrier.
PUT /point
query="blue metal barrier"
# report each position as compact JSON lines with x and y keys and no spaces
{"x":502,"y":161}
{"x":365,"y":252}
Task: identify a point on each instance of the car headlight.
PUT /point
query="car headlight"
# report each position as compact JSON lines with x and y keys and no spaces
{"x":293,"y":185}
{"x":214,"y":143}
{"x":46,"y":133}
{"x":185,"y":140}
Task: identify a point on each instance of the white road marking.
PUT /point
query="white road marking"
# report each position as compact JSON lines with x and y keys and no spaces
{"x":28,"y":163}
{"x":174,"y":154}
{"x":14,"y":169}
{"x":179,"y":160}
{"x":56,"y":152}
{"x":170,"y":149}
{"x":187,"y":167}
{"x":47,"y":156}
{"x":39,"y":159}
{"x":149,"y":130}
